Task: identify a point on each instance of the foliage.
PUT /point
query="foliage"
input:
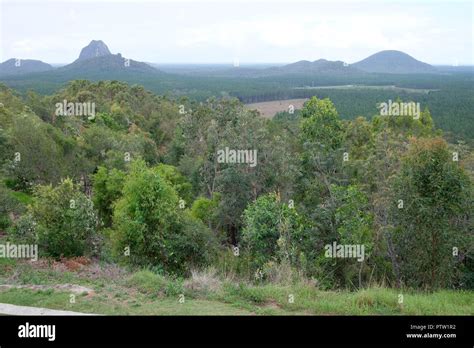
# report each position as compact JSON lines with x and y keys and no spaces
{"x":8,"y":205}
{"x":434,"y":217}
{"x":271,"y":230}
{"x":147,"y":220}
{"x":343,"y":169}
{"x":205,"y":209}
{"x":63,"y":221}
{"x":107,"y":186}
{"x":182,"y":187}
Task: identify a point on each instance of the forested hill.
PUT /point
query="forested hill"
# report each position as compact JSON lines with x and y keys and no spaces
{"x":393,"y":62}
{"x":23,"y":66}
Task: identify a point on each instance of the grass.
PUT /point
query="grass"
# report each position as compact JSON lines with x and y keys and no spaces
{"x":147,"y":293}
{"x":147,"y":282}
{"x":119,"y":305}
{"x":21,"y":197}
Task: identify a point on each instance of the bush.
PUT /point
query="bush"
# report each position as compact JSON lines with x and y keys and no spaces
{"x":205,"y":209}
{"x":171,"y":174}
{"x":244,"y":292}
{"x":24,"y":230}
{"x":107,"y":187}
{"x":148,"y":221}
{"x":8,"y":204}
{"x":195,"y":246}
{"x":65,"y":220}
{"x":270,"y":230}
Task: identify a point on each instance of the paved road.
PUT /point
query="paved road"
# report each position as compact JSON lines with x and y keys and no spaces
{"x":8,"y":309}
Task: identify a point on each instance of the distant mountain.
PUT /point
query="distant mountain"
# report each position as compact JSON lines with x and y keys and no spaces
{"x":23,"y":66}
{"x":393,"y":62}
{"x":320,"y":66}
{"x":112,"y":63}
{"x":96,"y":59}
{"x":96,"y":48}
{"x":95,"y":63}
{"x":302,"y":67}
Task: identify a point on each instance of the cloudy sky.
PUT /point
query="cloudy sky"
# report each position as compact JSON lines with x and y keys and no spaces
{"x":437,"y":32}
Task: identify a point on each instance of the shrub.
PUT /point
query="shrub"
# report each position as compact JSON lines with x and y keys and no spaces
{"x":171,"y":174}
{"x":232,"y":266}
{"x":270,"y":228}
{"x":147,"y":220}
{"x":24,"y":230}
{"x":195,"y":245}
{"x":107,"y":187}
{"x":65,"y":220}
{"x":205,"y":209}
{"x":247,"y":293}
{"x":8,"y":204}
{"x":154,"y":284}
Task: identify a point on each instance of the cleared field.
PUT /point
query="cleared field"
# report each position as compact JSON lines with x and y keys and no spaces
{"x":270,"y":108}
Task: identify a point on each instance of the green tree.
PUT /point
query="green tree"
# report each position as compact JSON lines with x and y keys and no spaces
{"x":205,"y":209}
{"x":354,"y":225}
{"x":321,"y":139}
{"x":107,"y":188}
{"x":271,"y":230}
{"x":216,"y":125}
{"x":148,"y":222}
{"x":182,"y":187}
{"x":430,"y":215}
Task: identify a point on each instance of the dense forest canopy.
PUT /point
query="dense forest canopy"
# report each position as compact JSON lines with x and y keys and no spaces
{"x":448,"y":94}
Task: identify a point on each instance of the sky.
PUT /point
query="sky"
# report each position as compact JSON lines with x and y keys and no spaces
{"x":436,"y":32}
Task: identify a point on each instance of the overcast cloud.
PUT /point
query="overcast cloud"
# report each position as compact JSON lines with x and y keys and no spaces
{"x":250,"y":31}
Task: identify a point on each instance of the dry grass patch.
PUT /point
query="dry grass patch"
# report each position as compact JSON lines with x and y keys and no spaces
{"x":203,"y":282}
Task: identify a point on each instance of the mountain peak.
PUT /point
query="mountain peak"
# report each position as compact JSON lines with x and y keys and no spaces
{"x":96,"y":48}
{"x":320,"y":66}
{"x":16,"y":66}
{"x":394,"y":62}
